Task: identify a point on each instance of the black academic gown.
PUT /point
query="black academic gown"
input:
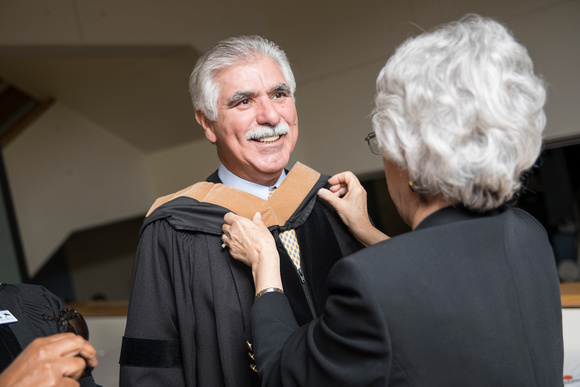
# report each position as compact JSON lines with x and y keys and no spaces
{"x":190,"y":301}
{"x":28,"y":304}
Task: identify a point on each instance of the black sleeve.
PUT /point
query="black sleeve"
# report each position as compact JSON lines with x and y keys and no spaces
{"x":347,"y":345}
{"x":151,"y":353}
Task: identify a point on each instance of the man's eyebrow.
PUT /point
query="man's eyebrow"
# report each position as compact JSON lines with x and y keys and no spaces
{"x":280,"y":87}
{"x":238,"y":96}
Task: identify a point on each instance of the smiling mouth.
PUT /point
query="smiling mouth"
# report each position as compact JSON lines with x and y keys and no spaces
{"x":266,"y":134}
{"x":268,"y":139}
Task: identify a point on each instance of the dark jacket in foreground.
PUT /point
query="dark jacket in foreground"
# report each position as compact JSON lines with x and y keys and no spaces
{"x":463,"y":300}
{"x":190,"y":301}
{"x":28,"y":304}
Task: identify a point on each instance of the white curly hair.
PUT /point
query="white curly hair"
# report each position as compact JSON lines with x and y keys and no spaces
{"x":461,"y":109}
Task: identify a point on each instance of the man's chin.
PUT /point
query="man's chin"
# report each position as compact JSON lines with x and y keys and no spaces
{"x":269,"y":170}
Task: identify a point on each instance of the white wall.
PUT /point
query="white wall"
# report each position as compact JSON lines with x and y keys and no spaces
{"x":571,"y":333}
{"x":333,"y":111}
{"x":552,"y":38}
{"x":179,"y":167}
{"x":334,"y":118}
{"x":106,"y":335}
{"x":67,"y":174}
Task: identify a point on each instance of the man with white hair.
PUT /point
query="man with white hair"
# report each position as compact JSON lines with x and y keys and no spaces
{"x":190,"y":302}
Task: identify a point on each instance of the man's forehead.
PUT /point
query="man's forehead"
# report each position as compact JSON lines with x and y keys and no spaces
{"x":236,"y":83}
{"x":251,"y":61}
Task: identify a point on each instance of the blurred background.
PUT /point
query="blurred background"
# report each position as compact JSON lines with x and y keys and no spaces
{"x":96,"y":120}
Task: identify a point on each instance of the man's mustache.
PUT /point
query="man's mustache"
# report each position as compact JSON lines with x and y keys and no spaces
{"x":267,"y":131}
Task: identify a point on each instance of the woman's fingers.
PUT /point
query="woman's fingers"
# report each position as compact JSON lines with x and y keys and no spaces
{"x":75,"y":352}
{"x":49,"y":361}
{"x":258,"y":219}
{"x":349,"y":199}
{"x":329,"y":196}
{"x":68,"y":345}
{"x":73,"y":367}
{"x":89,"y":353}
{"x":248,"y":240}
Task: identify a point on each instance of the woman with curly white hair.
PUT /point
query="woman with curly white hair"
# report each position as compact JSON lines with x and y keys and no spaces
{"x":471,"y":295}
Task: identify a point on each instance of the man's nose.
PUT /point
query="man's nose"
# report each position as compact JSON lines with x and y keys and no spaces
{"x":268,"y":113}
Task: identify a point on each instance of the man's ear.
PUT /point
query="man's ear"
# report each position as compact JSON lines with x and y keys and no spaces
{"x":206,"y":125}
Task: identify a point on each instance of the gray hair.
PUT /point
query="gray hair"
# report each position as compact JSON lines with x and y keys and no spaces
{"x":462,"y":111}
{"x":204,"y":88}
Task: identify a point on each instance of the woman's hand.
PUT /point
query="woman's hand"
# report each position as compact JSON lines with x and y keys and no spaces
{"x":250,"y":242}
{"x":349,"y":199}
{"x":57,"y":360}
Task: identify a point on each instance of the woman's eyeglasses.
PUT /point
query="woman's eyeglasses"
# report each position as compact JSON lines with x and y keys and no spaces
{"x":371,"y":139}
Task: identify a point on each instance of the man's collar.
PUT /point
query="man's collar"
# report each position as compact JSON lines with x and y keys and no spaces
{"x":261,"y":191}
{"x":288,"y":207}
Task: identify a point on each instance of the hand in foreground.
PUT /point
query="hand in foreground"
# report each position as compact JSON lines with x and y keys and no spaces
{"x":57,"y":360}
{"x":250,"y":242}
{"x":349,"y":199}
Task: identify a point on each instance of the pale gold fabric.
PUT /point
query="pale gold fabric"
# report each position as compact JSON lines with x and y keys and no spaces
{"x":275,"y":211}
